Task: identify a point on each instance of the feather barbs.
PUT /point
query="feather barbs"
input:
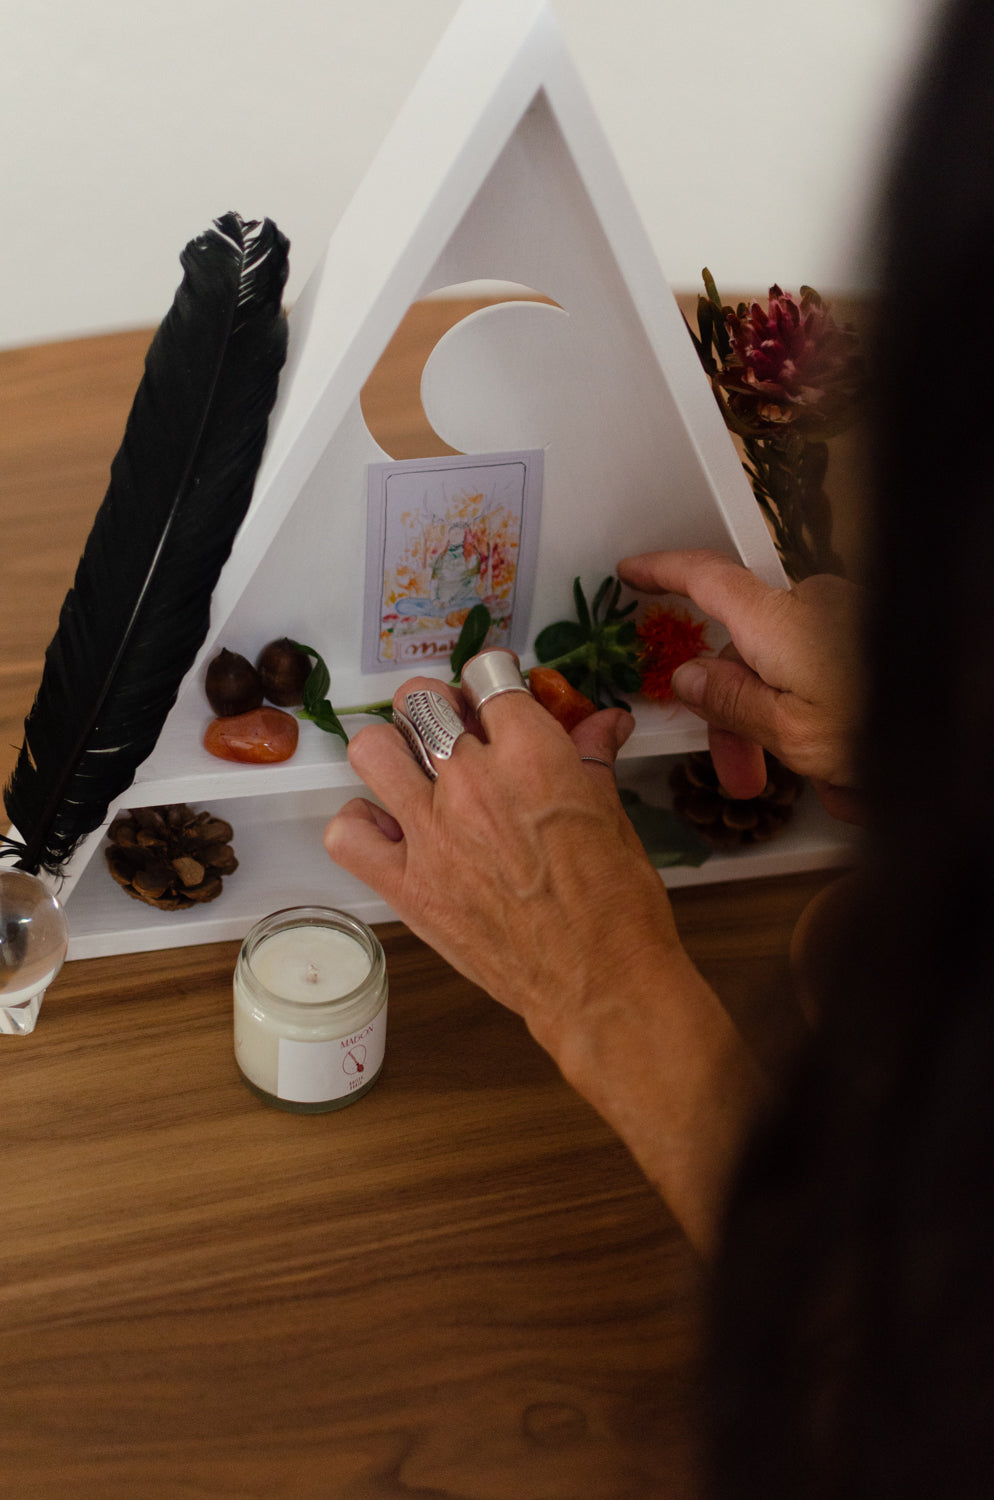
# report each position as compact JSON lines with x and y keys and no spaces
{"x":180,"y":484}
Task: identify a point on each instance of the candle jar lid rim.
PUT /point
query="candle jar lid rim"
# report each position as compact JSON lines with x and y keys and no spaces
{"x":291,"y":917}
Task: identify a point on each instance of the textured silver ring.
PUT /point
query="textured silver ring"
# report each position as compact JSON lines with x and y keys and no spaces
{"x":489,"y":674}
{"x":596,"y":760}
{"x":430,"y":727}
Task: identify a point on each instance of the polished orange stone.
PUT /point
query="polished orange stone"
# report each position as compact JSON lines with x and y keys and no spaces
{"x":564,"y":702}
{"x":262,"y":736}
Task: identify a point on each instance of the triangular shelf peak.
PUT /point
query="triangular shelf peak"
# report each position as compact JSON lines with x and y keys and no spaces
{"x":495,"y":170}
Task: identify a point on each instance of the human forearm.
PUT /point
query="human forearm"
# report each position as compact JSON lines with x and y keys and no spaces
{"x":520,"y":867}
{"x":659,"y":1058}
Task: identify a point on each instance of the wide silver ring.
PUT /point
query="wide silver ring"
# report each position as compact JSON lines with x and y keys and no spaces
{"x":489,"y":674}
{"x":430,"y":727}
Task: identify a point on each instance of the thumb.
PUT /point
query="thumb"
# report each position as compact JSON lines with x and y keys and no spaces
{"x":602,"y":735}
{"x":730,"y":696}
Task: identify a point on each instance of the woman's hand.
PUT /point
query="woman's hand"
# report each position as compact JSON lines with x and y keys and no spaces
{"x":512,"y":856}
{"x":790,"y":683}
{"x":519,"y":865}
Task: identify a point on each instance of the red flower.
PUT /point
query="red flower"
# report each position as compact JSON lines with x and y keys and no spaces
{"x":667,"y":638}
{"x":790,"y":363}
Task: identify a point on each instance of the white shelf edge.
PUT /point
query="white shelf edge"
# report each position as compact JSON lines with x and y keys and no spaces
{"x":320,"y":763}
{"x":282,"y":863}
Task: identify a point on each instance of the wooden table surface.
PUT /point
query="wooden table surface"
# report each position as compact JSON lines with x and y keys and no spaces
{"x":460,"y":1289}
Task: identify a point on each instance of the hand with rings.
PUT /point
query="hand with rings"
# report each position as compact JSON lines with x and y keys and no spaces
{"x":502,"y":842}
{"x":431,"y":725}
{"x":493,"y":831}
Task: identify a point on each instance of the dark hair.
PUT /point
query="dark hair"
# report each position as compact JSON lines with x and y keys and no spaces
{"x":853,"y":1319}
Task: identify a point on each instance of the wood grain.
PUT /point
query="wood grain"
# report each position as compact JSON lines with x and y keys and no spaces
{"x":459,"y":1289}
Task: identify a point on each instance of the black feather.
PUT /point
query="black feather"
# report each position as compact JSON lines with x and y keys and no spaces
{"x":139,"y":608}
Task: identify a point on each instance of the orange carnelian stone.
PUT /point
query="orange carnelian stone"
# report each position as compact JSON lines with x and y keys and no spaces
{"x":261,"y":736}
{"x":560,"y":697}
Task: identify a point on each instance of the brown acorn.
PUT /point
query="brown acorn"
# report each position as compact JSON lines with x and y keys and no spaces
{"x":232,"y":685}
{"x":283,"y":670}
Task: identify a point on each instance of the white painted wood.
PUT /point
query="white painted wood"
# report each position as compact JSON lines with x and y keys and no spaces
{"x":496,"y":169}
{"x":283,"y":863}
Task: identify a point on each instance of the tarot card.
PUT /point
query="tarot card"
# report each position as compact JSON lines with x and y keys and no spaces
{"x":445,"y":534}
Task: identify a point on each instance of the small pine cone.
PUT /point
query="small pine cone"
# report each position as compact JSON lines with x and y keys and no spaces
{"x":170,"y":857}
{"x":727,"y":822}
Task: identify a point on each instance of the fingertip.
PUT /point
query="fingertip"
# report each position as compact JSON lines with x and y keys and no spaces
{"x":637,"y":572}
{"x":624,"y":726}
{"x":739,"y":764}
{"x":689,"y":683}
{"x":603,"y":734}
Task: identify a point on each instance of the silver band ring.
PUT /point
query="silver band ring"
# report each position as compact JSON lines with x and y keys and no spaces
{"x":490,"y":674}
{"x":430,"y":727}
{"x":596,"y":760}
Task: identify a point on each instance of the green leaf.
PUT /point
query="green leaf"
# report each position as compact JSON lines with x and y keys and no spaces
{"x":582,"y":610}
{"x":558,"y":639}
{"x":474,"y":632}
{"x":600,"y":596}
{"x":325,"y":717}
{"x":705,"y":328}
{"x":626,"y":677}
{"x":667,"y":838}
{"x":587,"y":651}
{"x":612,"y":608}
{"x":316,"y":706}
{"x":319,"y":678}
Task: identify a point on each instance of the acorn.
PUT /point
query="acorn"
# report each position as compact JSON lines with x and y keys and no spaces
{"x":232,"y":685}
{"x":283,"y":671}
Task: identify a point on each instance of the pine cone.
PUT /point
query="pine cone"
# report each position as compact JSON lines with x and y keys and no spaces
{"x":170,"y":857}
{"x":726,"y":821}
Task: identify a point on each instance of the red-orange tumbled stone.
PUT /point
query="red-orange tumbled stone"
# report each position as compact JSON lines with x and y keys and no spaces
{"x":560,"y":697}
{"x":262,"y":736}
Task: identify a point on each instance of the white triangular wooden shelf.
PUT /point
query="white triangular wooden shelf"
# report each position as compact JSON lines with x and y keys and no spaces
{"x":496,"y":169}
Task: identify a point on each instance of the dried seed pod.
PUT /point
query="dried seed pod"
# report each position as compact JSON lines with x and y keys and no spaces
{"x":233,"y":685}
{"x":283,"y":670}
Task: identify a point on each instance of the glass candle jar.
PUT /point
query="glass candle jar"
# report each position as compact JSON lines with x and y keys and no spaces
{"x":310,"y":995}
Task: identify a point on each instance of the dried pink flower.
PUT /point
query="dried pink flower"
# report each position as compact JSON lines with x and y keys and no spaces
{"x":786,"y":377}
{"x":789,"y":364}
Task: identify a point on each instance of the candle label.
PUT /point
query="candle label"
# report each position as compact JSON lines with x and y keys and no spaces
{"x":314,"y":1072}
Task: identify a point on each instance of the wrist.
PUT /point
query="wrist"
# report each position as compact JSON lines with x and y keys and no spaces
{"x":655,"y":1053}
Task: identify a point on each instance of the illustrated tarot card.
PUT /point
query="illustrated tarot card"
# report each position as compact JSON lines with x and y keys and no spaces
{"x":442,"y":535}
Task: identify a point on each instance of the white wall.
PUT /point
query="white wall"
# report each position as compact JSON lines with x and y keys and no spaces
{"x":749,"y":132}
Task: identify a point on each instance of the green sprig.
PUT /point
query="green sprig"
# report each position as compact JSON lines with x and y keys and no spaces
{"x":317,"y":706}
{"x":475,"y":629}
{"x":598,"y":651}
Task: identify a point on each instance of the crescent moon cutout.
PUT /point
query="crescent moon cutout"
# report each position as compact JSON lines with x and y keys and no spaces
{"x":391,"y":403}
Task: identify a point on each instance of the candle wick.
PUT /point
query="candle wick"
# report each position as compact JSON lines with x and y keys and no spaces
{"x":311,"y":974}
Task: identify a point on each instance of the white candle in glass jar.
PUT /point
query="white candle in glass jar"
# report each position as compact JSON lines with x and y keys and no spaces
{"x":310,"y":995}
{"x":311,"y":964}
